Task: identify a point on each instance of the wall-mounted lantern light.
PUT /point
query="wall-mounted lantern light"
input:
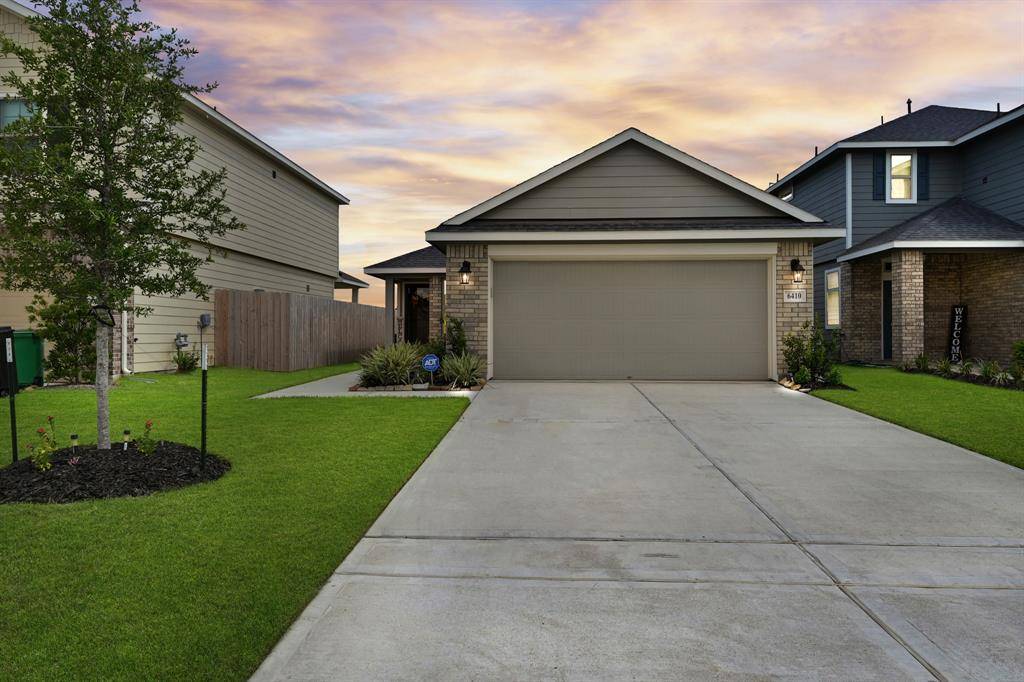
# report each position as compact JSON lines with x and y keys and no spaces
{"x":464,"y":272}
{"x":798,"y":270}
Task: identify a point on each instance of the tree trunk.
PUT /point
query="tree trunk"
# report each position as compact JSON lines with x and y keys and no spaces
{"x":102,"y":386}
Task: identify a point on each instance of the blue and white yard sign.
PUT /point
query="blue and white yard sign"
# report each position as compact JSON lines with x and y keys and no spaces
{"x":431,"y":363}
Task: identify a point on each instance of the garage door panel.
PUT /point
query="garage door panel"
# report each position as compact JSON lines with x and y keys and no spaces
{"x":630,"y":319}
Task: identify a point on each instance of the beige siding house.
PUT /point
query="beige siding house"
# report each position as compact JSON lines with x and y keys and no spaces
{"x":630,"y":260}
{"x":290,"y":242}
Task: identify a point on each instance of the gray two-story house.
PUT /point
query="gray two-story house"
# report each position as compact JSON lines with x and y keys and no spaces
{"x":932,"y":205}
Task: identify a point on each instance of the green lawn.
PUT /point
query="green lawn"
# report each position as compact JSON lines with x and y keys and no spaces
{"x":981,"y":418}
{"x":199,"y":583}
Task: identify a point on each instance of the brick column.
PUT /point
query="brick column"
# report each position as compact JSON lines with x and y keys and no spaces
{"x":790,"y":317}
{"x":907,"y":305}
{"x":436,"y":305}
{"x":468,"y":302}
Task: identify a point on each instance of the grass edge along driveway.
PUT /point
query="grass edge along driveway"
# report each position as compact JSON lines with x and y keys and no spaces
{"x":200,"y":583}
{"x":984,"y":419}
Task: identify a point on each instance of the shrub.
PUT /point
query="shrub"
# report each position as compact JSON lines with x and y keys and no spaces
{"x":463,"y":371}
{"x":907,"y":366}
{"x":989,"y":370}
{"x":395,"y":365}
{"x":967,"y":367}
{"x":70,"y":339}
{"x":945,"y":367}
{"x":1001,"y":379}
{"x":185,"y":361}
{"x":922,"y":364}
{"x":812,"y":350}
{"x":146,"y":444}
{"x":41,"y":452}
{"x":802,"y":376}
{"x":1018,"y":353}
{"x":454,"y":336}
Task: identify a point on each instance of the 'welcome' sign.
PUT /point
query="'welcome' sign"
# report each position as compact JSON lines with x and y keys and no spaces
{"x":957,"y":333}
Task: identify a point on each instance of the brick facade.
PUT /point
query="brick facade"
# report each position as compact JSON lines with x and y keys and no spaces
{"x":436,"y":305}
{"x":925,"y":287}
{"x":790,"y":317}
{"x":468,"y":302}
{"x":907,"y":305}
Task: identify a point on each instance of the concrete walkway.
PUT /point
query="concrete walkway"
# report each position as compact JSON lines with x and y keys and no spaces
{"x":338,"y":386}
{"x":678,"y":531}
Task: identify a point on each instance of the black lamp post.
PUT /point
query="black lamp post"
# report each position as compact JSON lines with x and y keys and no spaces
{"x":464,"y":272}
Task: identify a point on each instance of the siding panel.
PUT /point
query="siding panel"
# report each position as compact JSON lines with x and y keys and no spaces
{"x":993,"y":171}
{"x":631,"y":181}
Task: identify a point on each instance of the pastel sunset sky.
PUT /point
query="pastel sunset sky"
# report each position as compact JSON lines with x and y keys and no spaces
{"x":418,"y":110}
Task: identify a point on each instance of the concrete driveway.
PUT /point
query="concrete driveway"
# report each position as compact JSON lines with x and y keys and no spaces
{"x":678,"y":531}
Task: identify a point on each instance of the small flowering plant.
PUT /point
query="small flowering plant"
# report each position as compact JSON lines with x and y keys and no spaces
{"x":41,"y":451}
{"x":146,"y":444}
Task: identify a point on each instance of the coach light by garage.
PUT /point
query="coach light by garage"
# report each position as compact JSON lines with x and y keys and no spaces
{"x":464,"y":272}
{"x":798,"y":270}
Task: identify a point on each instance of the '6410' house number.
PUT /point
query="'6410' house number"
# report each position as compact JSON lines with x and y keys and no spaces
{"x":794,"y":296}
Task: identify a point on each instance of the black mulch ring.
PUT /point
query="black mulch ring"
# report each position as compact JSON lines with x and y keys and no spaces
{"x":100,"y":474}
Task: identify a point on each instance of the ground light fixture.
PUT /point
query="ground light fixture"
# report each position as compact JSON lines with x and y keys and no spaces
{"x":464,"y":272}
{"x":798,"y":270}
{"x":127,"y":437}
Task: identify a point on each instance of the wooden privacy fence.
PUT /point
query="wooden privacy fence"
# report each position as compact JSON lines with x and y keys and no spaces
{"x":285,"y":332}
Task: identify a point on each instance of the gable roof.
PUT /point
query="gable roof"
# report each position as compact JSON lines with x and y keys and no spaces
{"x":931,"y":123}
{"x":933,"y":126}
{"x":632,"y":134}
{"x":955,"y":222}
{"x":428,"y":260}
{"x":221,"y":120}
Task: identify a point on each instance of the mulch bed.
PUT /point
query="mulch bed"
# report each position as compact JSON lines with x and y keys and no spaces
{"x":108,"y":473}
{"x":967,"y":378}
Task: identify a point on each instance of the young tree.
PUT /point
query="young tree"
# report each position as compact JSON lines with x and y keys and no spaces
{"x":98,"y":186}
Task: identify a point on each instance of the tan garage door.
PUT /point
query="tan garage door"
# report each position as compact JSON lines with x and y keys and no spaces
{"x":630,"y":319}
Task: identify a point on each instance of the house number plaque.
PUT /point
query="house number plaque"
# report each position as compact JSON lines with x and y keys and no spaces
{"x":794,"y":296}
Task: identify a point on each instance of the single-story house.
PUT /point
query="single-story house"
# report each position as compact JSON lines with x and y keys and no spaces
{"x":630,"y":260}
{"x":290,"y":243}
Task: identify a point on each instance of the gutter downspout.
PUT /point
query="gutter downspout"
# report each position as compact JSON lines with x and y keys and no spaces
{"x":124,"y":343}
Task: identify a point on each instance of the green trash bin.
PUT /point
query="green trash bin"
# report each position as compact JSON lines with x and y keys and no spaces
{"x":28,"y":355}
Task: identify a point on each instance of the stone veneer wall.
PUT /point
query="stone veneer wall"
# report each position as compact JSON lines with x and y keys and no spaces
{"x":790,"y":317}
{"x":468,"y":302}
{"x":436,"y":305}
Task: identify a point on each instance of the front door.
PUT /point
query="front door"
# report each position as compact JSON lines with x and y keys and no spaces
{"x":417,"y":313}
{"x":887,"y":319}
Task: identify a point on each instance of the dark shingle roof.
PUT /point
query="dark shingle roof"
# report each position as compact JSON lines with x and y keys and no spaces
{"x":627,"y":224}
{"x":428,"y":257}
{"x":344,"y":279}
{"x":954,"y":220}
{"x":933,"y":123}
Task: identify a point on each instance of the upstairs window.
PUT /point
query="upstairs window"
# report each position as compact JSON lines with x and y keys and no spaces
{"x":787,"y":194}
{"x":901,"y":180}
{"x":11,"y":110}
{"x":832,"y":299}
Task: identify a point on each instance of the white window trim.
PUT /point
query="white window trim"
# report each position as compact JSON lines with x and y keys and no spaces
{"x":913,"y":176}
{"x":838,"y":289}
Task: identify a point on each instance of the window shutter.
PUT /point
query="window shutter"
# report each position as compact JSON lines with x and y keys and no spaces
{"x":923,"y":176}
{"x":878,"y":177}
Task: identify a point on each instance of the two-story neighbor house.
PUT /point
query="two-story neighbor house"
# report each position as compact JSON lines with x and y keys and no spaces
{"x":629,"y":260}
{"x":932,"y":209}
{"x":290,"y":242}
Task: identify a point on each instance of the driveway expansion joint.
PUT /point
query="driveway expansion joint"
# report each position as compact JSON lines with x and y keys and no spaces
{"x":810,"y":555}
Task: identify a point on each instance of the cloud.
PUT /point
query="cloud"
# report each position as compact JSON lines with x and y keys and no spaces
{"x":419,"y":110}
